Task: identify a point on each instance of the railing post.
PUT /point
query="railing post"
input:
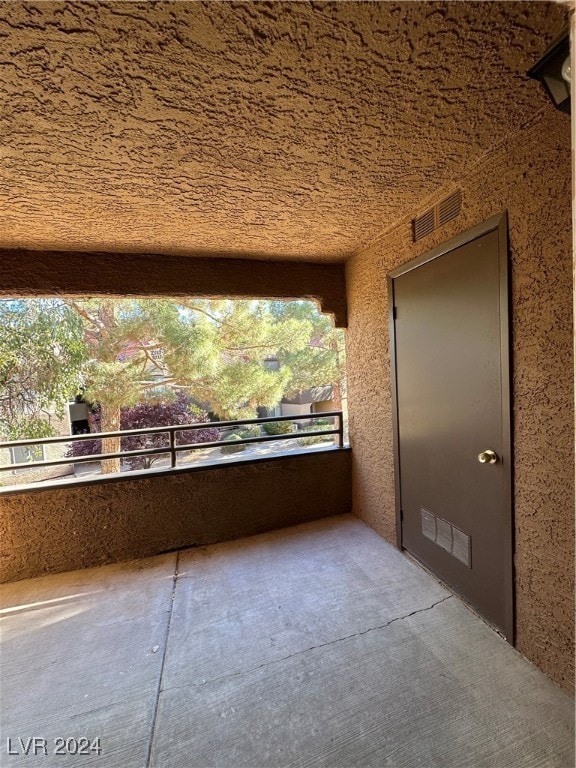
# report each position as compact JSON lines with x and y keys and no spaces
{"x":172,"y":433}
{"x":341,"y":430}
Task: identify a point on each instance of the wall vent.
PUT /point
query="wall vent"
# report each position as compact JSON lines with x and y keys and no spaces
{"x":442,"y":213}
{"x":447,"y":536}
{"x":449,"y":208}
{"x":423,"y":225}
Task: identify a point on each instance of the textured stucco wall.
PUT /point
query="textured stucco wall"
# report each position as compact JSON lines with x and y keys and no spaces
{"x":529,"y":175}
{"x":283,"y":129}
{"x":49,"y":273}
{"x":62,"y":529}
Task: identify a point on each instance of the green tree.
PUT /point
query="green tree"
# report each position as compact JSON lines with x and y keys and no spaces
{"x":322,"y":361}
{"x":147,"y":349}
{"x":41,"y":355}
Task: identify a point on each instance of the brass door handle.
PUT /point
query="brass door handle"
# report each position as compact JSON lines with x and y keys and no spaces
{"x":487,"y":457}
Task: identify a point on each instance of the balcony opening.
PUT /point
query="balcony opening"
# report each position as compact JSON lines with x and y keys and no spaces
{"x":98,"y":387}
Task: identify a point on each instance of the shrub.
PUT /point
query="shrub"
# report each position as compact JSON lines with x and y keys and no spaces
{"x":323,"y":422}
{"x":253,"y":431}
{"x":232,"y":448}
{"x":306,"y":441}
{"x":279,"y":427}
{"x":161,"y":414}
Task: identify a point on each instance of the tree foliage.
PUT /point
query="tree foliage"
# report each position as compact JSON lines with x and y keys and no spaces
{"x":322,"y":360}
{"x":41,"y":355}
{"x":212,"y":349}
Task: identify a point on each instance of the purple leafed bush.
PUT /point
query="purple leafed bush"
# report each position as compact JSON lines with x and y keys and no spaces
{"x":162,"y":414}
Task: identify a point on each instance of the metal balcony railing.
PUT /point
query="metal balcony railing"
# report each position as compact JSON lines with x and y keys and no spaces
{"x":172,"y":448}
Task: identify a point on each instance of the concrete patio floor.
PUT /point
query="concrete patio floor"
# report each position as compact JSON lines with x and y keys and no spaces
{"x":319,"y":645}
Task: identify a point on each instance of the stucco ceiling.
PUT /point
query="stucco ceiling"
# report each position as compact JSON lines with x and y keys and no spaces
{"x":282,"y":130}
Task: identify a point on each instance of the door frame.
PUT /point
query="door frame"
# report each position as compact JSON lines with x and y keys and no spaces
{"x":498,"y":223}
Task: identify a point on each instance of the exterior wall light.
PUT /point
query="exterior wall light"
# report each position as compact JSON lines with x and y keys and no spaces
{"x":553,"y":71}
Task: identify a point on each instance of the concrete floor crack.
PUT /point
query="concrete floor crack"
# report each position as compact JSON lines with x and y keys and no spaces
{"x":320,"y":645}
{"x":175,"y":576}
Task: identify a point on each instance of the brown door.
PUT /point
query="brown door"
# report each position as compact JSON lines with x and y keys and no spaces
{"x":452,"y":400}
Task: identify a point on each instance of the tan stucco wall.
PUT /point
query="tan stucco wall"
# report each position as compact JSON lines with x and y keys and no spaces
{"x":529,"y":175}
{"x":54,"y":273}
{"x":62,"y":529}
{"x":280,"y":130}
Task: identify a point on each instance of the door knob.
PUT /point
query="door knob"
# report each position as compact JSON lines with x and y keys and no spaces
{"x":487,"y":457}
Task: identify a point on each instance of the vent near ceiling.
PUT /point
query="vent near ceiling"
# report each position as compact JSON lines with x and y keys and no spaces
{"x":449,"y":208}
{"x":440,"y":214}
{"x":423,"y":225}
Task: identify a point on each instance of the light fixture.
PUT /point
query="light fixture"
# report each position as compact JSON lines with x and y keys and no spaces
{"x":553,"y":71}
